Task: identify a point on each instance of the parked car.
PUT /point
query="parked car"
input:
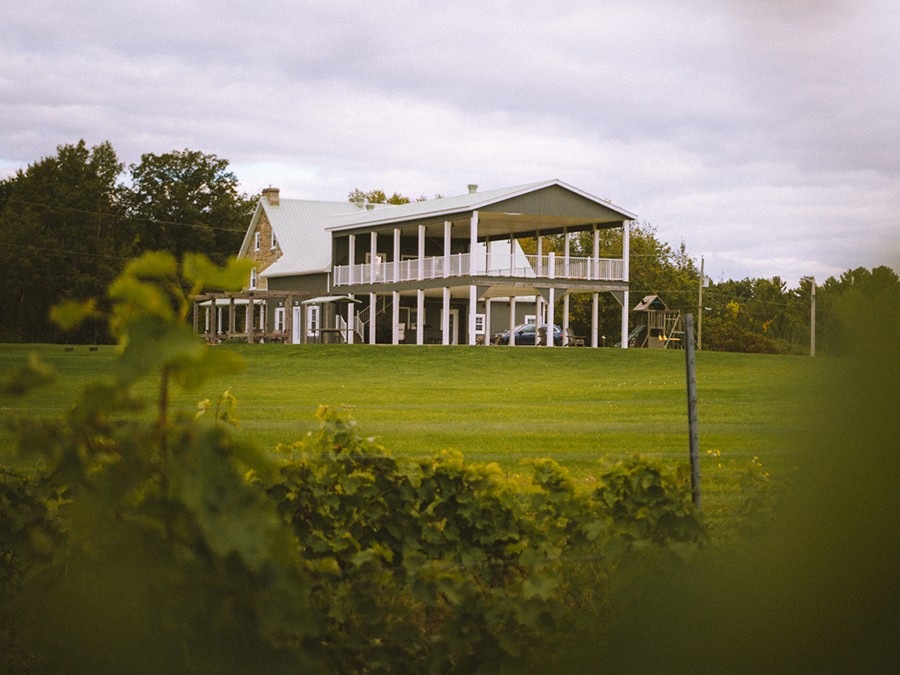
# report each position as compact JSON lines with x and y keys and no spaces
{"x":525,"y":335}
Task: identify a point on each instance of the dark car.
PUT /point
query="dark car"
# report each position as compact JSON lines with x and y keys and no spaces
{"x":525,"y":335}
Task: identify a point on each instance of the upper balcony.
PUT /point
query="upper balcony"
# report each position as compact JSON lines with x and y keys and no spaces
{"x":519,"y":266}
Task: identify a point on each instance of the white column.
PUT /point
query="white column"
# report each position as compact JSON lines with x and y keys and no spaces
{"x":373,"y":310}
{"x":568,"y":239}
{"x":565,"y":325}
{"x":512,"y":321}
{"x":512,"y":256}
{"x":395,"y":317}
{"x":351,"y":259}
{"x":396,"y":255}
{"x":420,"y":316}
{"x":420,"y":274}
{"x":540,"y":253}
{"x":626,"y":244}
{"x":445,"y":318}
{"x":219,"y":311}
{"x":473,"y":309}
{"x":487,"y":321}
{"x":595,"y":263}
{"x":447,"y":243}
{"x":595,"y":318}
{"x":473,"y":245}
{"x":351,"y":314}
{"x":551,"y":303}
{"x":373,"y":245}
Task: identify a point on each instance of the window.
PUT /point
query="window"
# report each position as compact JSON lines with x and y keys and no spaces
{"x":256,"y":241}
{"x":379,"y":257}
{"x":273,"y":240}
{"x":409,"y":317}
{"x":530,"y":318}
{"x":479,"y":324}
{"x":279,"y":319}
{"x":253,"y":278}
{"x":312,"y":320}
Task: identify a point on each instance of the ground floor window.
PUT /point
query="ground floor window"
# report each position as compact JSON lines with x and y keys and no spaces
{"x":279,"y":319}
{"x":312,"y":320}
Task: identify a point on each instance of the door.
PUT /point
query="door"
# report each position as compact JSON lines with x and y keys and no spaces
{"x":295,"y":325}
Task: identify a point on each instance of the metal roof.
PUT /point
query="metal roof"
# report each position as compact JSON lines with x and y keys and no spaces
{"x":303,"y":228}
{"x":472,"y":201}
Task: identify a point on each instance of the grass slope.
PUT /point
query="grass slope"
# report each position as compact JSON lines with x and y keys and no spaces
{"x":502,"y":404}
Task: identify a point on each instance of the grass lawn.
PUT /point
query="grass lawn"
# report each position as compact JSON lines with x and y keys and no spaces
{"x":502,"y":404}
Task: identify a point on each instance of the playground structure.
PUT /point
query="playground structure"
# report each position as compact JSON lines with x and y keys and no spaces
{"x":659,"y":327}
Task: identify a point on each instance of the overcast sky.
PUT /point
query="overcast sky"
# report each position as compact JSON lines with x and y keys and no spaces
{"x":764,"y":134}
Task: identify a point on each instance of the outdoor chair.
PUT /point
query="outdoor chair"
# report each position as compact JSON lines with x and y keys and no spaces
{"x":573,"y":340}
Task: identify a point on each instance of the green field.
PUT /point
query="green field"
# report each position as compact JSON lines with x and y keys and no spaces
{"x":502,"y":404}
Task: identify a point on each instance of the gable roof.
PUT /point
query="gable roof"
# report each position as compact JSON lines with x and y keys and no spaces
{"x":446,"y":207}
{"x":304,"y":228}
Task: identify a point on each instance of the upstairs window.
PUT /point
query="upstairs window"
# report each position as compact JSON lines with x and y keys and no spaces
{"x":272,"y":247}
{"x":256,"y":242}
{"x":253,"y":279}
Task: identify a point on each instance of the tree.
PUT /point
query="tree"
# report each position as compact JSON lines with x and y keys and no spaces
{"x":61,"y":237}
{"x":186,"y":201}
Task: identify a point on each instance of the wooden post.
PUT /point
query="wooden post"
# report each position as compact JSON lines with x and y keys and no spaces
{"x":693,"y":424}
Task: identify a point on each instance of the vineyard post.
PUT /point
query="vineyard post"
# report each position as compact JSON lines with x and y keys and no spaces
{"x":693,"y":425}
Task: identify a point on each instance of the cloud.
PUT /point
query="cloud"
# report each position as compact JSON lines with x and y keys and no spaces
{"x":759,"y":132}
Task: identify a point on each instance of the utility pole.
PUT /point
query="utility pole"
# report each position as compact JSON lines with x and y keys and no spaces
{"x":700,"y":310}
{"x":812,"y":316}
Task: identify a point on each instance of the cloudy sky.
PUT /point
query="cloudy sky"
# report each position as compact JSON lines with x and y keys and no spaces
{"x":764,"y":134}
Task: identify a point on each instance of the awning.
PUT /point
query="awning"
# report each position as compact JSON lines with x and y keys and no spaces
{"x":330,"y":298}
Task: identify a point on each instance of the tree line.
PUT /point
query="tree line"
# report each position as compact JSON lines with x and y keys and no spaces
{"x":69,"y":223}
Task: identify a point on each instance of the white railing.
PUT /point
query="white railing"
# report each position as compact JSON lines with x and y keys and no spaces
{"x":486,"y":264}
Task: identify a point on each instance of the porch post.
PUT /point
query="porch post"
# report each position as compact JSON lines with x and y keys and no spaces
{"x":473,"y":245}
{"x":551,"y":304}
{"x":420,"y":315}
{"x":551,"y":298}
{"x":420,"y":273}
{"x":595,"y":263}
{"x":626,"y":244}
{"x":568,"y":239}
{"x":373,"y":310}
{"x":373,"y":245}
{"x":447,"y":244}
{"x":196,"y":317}
{"x":512,"y":256}
{"x":396,"y":256}
{"x":512,"y":321}
{"x":352,"y":259}
{"x":251,"y":315}
{"x":231,"y":317}
{"x":540,"y":253}
{"x":351,"y":320}
{"x":595,"y":318}
{"x":473,"y":308}
{"x":565,"y":325}
{"x":289,"y":326}
{"x":487,"y":321}
{"x":395,"y":316}
{"x":445,"y":318}
{"x":219,"y":320}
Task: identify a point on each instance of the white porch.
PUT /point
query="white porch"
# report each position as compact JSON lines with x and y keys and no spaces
{"x":549,"y":266}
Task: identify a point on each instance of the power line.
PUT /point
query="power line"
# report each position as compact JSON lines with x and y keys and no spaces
{"x":116,"y":216}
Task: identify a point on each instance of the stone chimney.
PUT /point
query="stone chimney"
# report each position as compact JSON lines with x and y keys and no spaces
{"x":473,"y":188}
{"x":271,"y":194}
